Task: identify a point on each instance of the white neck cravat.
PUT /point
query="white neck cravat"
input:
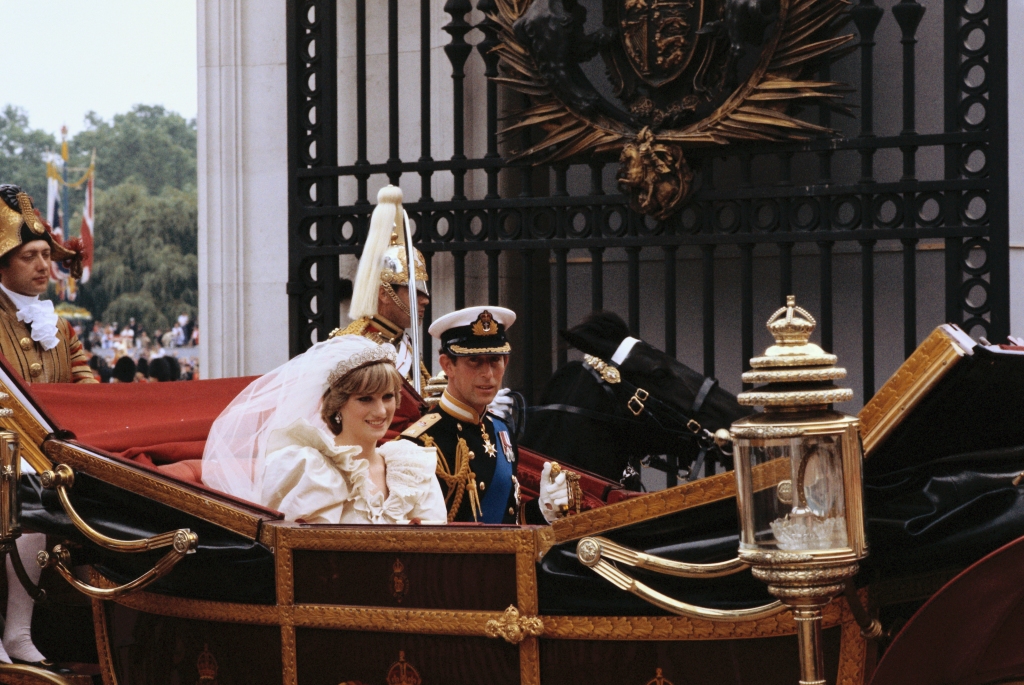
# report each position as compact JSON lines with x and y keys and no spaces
{"x":38,"y":314}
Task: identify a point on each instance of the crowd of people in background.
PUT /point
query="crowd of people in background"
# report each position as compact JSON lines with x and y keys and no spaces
{"x":129,"y":354}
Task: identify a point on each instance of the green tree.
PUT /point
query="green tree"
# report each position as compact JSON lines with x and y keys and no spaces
{"x":149,"y":145}
{"x":21,"y":153}
{"x":145,"y":264}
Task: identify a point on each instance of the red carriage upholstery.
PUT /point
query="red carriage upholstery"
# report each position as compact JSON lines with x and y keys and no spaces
{"x":164,"y":425}
{"x":596,"y":490}
{"x":158,"y":423}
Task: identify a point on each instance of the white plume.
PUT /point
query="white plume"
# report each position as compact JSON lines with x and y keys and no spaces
{"x":386,"y":218}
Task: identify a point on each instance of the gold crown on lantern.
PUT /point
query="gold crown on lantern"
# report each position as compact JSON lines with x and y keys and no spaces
{"x":797,"y":372}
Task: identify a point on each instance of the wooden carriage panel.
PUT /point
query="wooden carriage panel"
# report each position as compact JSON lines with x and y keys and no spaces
{"x":329,"y":657}
{"x":764,"y":661}
{"x":406,"y":580}
{"x":149,"y":649}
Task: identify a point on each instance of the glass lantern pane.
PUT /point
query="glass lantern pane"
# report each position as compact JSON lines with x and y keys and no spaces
{"x":816,"y":518}
{"x":769,"y":469}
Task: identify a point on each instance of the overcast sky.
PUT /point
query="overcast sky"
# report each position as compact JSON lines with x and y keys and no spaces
{"x":63,"y":58}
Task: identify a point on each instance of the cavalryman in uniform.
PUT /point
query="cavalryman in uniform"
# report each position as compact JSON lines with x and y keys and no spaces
{"x":476,"y":451}
{"x":380,"y":306}
{"x":43,"y":348}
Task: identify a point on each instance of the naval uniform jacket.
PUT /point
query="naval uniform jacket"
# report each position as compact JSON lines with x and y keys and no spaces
{"x":465,"y":466}
{"x":65,"y":363}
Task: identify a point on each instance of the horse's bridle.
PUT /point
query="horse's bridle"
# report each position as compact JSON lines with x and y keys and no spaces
{"x":608,"y":377}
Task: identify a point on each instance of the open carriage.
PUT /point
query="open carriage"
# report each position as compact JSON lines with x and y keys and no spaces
{"x":189,"y":585}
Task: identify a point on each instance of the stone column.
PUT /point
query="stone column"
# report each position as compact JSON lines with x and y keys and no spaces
{"x":243,"y":186}
{"x":1015,"y":91}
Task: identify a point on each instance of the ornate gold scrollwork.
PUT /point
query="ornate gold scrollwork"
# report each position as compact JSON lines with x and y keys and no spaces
{"x":681,"y":76}
{"x":514,"y":628}
{"x":60,"y":558}
{"x":590,"y":551}
{"x":767,"y":432}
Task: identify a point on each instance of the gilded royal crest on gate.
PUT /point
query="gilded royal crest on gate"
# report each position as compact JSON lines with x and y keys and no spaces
{"x":659,"y":36}
{"x":681,"y":74}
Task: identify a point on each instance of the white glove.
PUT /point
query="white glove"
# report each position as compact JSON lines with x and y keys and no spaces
{"x":554,"y":495}
{"x":502,"y":404}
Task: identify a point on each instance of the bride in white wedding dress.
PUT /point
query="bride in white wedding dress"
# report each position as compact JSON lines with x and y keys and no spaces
{"x":303,"y":440}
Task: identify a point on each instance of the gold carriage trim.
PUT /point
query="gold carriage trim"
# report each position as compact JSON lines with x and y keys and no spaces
{"x":157,"y":487}
{"x":459,"y":349}
{"x":655,"y":504}
{"x":475,"y":623}
{"x":514,"y":628}
{"x":929,"y":364}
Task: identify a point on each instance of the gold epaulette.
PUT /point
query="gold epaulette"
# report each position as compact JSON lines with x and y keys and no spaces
{"x":355,"y":328}
{"x":420,"y":426}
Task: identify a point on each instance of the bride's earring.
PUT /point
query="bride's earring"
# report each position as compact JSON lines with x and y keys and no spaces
{"x":337,"y":420}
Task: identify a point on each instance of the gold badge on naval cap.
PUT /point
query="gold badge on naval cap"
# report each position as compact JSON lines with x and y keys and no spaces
{"x":484,"y":324}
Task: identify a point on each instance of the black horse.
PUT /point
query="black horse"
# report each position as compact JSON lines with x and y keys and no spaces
{"x":659,"y":411}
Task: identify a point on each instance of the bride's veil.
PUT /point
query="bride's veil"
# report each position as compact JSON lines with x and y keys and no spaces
{"x":235,"y":453}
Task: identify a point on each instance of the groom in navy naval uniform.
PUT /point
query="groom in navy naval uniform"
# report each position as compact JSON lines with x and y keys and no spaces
{"x":476,"y":452}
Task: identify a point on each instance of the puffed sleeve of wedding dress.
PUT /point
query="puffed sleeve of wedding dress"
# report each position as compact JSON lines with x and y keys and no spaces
{"x":414,"y":490}
{"x":300,"y":479}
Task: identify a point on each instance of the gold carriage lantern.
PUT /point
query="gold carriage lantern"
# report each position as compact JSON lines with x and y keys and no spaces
{"x":798,"y":476}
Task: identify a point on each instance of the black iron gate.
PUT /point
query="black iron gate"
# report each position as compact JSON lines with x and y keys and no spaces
{"x":814,"y":200}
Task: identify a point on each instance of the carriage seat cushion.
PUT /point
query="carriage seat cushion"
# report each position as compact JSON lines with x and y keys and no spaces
{"x":167,"y":422}
{"x":189,"y":470}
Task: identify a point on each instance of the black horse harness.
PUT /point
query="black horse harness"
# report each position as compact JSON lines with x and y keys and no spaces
{"x":639,"y":406}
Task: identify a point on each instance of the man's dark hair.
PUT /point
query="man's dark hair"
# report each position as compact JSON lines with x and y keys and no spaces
{"x":160,"y":369}
{"x":99,"y":364}
{"x":124,"y":370}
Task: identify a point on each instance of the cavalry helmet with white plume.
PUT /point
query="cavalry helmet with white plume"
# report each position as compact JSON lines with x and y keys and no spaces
{"x":385,"y":262}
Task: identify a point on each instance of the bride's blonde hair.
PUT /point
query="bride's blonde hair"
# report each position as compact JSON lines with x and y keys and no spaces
{"x":366,"y":380}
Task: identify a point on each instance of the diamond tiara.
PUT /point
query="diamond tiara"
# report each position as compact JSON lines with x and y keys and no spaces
{"x":372,"y":355}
